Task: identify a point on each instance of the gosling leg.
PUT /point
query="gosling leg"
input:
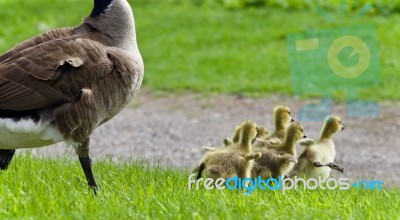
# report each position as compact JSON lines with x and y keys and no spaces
{"x":335,"y":167}
{"x":330,"y":165}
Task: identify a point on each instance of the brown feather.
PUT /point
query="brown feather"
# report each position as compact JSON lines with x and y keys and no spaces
{"x":85,"y":82}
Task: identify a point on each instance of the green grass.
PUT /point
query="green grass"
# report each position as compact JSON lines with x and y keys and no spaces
{"x":208,"y":50}
{"x":55,"y":189}
{"x":198,"y":49}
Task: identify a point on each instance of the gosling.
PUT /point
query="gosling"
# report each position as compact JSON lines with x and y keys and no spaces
{"x":232,"y":161}
{"x":317,"y":159}
{"x":282,"y":119}
{"x":275,"y":162}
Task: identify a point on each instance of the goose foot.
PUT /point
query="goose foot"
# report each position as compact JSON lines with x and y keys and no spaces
{"x":86,"y":163}
{"x":5,"y":158}
{"x":83,"y":153}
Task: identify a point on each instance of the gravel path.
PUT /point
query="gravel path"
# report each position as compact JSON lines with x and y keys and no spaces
{"x":171,"y":129}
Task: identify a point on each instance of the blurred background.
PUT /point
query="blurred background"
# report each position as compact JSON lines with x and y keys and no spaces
{"x":209,"y":64}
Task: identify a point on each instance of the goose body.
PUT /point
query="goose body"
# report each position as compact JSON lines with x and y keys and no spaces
{"x":61,"y":85}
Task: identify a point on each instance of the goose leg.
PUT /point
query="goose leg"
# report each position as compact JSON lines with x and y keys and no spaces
{"x":86,"y":163}
{"x":5,"y":158}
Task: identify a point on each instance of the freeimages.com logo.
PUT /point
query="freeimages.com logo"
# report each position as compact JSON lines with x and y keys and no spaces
{"x":283,"y":184}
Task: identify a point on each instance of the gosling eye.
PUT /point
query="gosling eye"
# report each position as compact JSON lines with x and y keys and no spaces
{"x":289,"y":113}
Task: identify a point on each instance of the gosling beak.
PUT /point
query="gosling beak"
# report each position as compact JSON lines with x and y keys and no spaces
{"x":292,"y":120}
{"x":304,"y":136}
{"x":342,"y":128}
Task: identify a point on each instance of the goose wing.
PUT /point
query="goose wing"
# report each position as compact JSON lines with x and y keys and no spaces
{"x":45,"y":37}
{"x":51,"y":73}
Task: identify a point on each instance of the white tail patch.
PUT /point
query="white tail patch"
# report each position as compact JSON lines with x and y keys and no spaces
{"x":25,"y":133}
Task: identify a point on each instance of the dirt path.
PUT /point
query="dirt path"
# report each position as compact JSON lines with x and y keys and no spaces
{"x":173,"y":128}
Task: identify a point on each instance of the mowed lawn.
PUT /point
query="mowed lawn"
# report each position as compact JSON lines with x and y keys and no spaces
{"x":210,"y":50}
{"x":56,"y":189}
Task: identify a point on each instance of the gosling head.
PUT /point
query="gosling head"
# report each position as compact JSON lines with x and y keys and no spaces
{"x":248,"y":131}
{"x":262,"y":131}
{"x":295,"y":131}
{"x":282,"y":117}
{"x":332,"y":125}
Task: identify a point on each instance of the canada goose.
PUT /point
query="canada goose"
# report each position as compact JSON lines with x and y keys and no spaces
{"x":61,"y":85}
{"x":282,"y":119}
{"x":317,"y":159}
{"x":275,"y":162}
{"x":231,"y":161}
